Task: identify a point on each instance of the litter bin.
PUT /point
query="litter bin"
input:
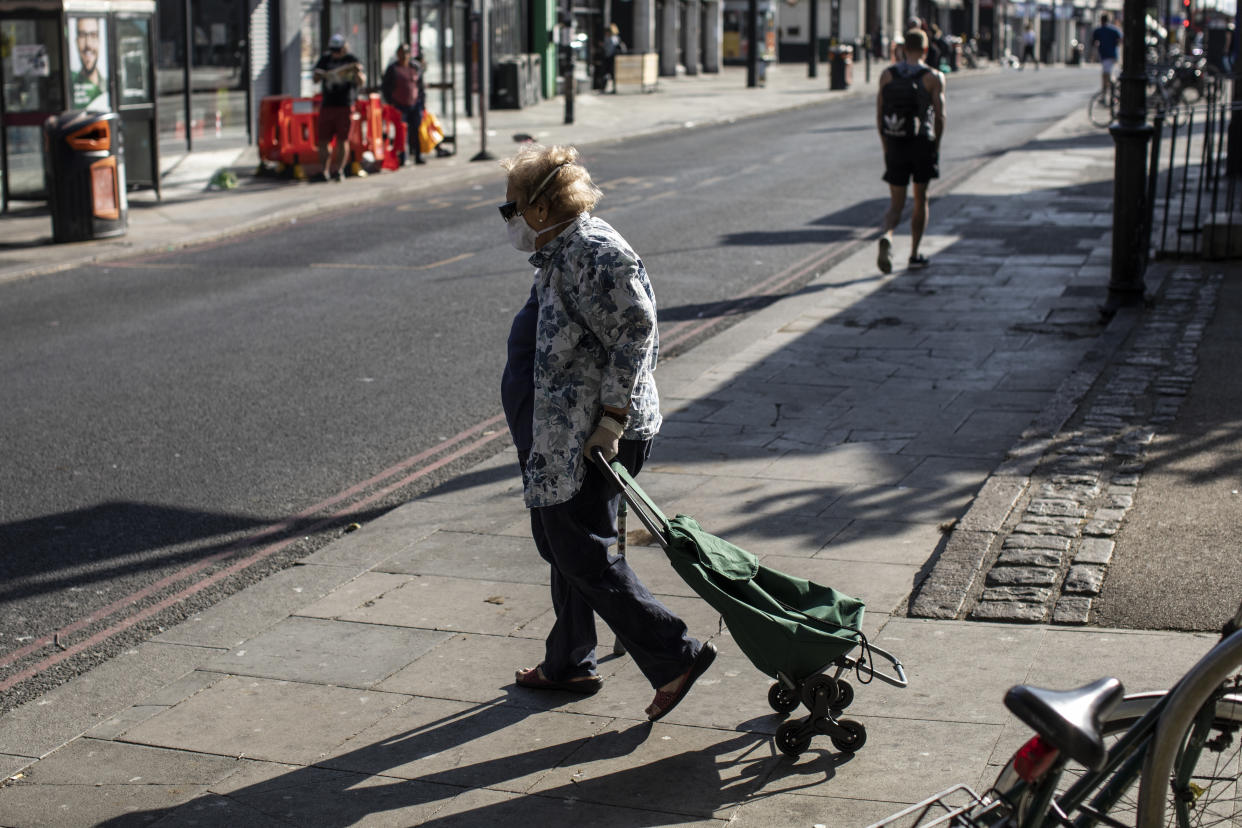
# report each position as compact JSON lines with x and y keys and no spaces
{"x":841,"y":73}
{"x":85,"y":175}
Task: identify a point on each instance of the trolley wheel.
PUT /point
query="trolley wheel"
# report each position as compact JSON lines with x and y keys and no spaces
{"x":850,"y":737}
{"x":816,"y":685}
{"x":782,"y":699}
{"x":790,"y":739}
{"x":845,"y":695}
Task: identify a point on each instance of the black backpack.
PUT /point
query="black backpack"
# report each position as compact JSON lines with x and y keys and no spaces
{"x":904,"y":102}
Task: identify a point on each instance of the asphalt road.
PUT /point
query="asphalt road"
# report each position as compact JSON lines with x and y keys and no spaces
{"x":165,"y":417}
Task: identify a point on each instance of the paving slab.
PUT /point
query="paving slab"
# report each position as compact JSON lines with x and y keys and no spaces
{"x":487,"y":807}
{"x":266,"y":719}
{"x":956,"y":672}
{"x":353,"y":594}
{"x":327,"y":651}
{"x":473,"y":668}
{"x":89,"y":782}
{"x":803,"y":809}
{"x":270,"y":794}
{"x":847,"y":464}
{"x":499,"y":746}
{"x":451,"y":604}
{"x":10,"y":764}
{"x":900,"y":503}
{"x":407,"y":524}
{"x":715,"y":770}
{"x":884,"y":542}
{"x":902,"y":761}
{"x":269,"y":601}
{"x":471,"y":555}
{"x":39,"y":727}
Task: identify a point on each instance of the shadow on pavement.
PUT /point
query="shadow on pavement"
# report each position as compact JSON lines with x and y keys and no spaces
{"x":384,"y":776}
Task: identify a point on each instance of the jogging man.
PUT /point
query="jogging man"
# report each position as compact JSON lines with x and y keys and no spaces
{"x":1106,"y":39}
{"x":910,"y":117}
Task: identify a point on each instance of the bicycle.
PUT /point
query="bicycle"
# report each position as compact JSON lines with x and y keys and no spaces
{"x":1100,"y":757}
{"x":1167,"y":87}
{"x":1102,"y":108}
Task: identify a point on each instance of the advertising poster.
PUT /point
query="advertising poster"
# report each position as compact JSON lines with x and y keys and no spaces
{"x":88,"y":63}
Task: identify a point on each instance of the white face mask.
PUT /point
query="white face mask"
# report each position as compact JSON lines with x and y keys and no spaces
{"x":522,"y":236}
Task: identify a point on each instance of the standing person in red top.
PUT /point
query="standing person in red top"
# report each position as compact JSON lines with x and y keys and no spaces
{"x":403,"y":88}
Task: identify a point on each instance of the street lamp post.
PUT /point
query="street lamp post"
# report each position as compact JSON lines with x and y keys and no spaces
{"x":567,"y":59}
{"x":752,"y":48}
{"x":485,"y":64}
{"x":812,"y":63}
{"x":1131,"y":133}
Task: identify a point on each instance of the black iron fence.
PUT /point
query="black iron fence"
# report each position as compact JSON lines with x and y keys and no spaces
{"x":1194,"y":198}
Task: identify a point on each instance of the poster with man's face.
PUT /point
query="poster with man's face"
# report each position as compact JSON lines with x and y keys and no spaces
{"x":88,"y":63}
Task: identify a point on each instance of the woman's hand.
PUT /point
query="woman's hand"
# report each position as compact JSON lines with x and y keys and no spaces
{"x":607,"y":438}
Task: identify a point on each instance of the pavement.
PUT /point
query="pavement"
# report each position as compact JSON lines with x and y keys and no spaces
{"x":970,"y":449}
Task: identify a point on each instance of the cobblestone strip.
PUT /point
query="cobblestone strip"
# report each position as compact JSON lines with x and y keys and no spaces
{"x":1055,"y":549}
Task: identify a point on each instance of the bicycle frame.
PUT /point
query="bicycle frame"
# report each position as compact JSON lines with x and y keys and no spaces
{"x":1161,"y":749}
{"x":1033,"y":803}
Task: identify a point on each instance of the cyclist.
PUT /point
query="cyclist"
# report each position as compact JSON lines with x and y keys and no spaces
{"x":1106,"y":40}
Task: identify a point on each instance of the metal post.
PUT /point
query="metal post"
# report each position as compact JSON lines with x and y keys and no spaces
{"x":485,"y":62}
{"x":567,"y":58}
{"x":185,"y":75}
{"x":812,"y":61}
{"x":1233,"y":159}
{"x":1130,"y":132}
{"x":752,"y":39}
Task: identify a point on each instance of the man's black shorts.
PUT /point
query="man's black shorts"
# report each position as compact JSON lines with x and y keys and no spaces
{"x":914,"y":158}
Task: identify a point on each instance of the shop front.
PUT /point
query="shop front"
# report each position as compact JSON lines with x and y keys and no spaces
{"x":93,"y":55}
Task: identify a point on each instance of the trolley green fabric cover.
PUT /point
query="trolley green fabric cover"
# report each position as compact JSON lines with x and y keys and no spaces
{"x":784,"y":624}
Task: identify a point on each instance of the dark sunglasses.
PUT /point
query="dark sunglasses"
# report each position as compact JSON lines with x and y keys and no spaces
{"x":509,"y":210}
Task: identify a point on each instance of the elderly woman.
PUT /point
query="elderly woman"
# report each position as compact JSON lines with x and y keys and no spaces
{"x":579,"y":376}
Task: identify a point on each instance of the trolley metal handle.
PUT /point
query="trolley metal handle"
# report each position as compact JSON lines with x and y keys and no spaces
{"x":899,"y":681}
{"x":648,"y":513}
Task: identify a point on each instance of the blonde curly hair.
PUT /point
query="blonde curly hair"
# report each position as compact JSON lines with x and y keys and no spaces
{"x":567,"y":186}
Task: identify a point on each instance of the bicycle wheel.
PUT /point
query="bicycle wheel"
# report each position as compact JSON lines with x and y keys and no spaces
{"x":1100,"y":109}
{"x":1190,"y":776}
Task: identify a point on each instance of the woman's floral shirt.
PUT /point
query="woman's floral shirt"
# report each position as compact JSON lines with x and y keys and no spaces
{"x":596,"y":344}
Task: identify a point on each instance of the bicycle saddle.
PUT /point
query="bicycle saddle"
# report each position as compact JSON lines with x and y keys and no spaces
{"x":1068,"y":719}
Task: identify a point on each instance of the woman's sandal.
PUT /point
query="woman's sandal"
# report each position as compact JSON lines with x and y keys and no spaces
{"x":533,"y":678}
{"x":665,"y":700}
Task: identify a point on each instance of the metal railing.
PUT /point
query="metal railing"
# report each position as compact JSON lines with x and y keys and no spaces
{"x":1194,"y":203}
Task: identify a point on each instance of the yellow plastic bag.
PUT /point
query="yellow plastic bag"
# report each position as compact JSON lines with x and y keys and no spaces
{"x":430,"y":133}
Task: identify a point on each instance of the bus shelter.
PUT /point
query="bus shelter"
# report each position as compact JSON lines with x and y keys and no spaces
{"x":62,"y":55}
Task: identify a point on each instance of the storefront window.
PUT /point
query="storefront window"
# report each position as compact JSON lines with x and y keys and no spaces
{"x":218,"y":103}
{"x":170,"y":76}
{"x":31,"y":52}
{"x":218,"y":77}
{"x":32,"y":88}
{"x":350,"y":19}
{"x":133,"y":60}
{"x":392,"y":17}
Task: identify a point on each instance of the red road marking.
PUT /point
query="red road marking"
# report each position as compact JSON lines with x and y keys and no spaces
{"x":684,"y":330}
{"x":236,"y":566}
{"x":192,"y":569}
